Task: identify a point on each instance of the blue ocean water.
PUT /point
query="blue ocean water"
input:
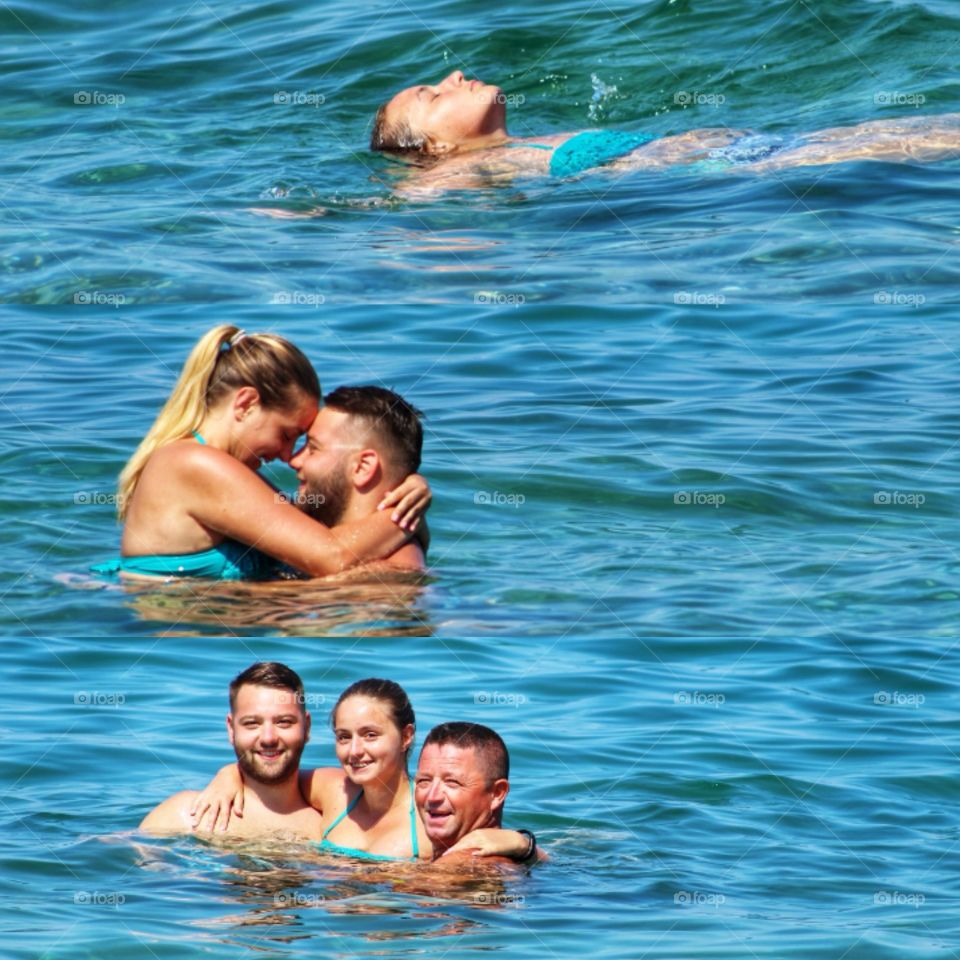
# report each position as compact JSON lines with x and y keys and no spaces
{"x":663,"y":409}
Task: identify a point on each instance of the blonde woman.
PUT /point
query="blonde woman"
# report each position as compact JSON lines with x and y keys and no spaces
{"x":191,"y":499}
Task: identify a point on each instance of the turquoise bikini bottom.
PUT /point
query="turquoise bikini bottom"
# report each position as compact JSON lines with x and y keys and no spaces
{"x":229,"y":560}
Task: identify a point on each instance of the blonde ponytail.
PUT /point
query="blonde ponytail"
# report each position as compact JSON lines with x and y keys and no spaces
{"x":224,"y":359}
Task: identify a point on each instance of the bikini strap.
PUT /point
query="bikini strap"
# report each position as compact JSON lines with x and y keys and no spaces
{"x":413,"y":826}
{"x":350,"y":806}
{"x":198,"y":438}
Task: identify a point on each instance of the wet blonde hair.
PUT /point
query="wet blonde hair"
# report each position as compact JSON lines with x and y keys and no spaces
{"x":223,"y":360}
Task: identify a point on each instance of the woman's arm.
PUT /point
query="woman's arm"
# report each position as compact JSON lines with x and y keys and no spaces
{"x":223,"y":794}
{"x":225,"y":496}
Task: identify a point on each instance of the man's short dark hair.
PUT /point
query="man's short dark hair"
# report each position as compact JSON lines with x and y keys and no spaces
{"x":490,"y":748}
{"x":389,"y":417}
{"x":268,"y":674}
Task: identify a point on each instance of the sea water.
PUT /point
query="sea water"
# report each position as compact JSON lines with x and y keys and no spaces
{"x":663,"y":411}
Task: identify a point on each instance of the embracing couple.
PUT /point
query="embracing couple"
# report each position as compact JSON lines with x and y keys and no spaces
{"x":193,"y":504}
{"x":367,"y":807}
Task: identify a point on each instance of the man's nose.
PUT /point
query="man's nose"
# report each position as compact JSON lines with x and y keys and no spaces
{"x":296,"y":457}
{"x":454,"y":79}
{"x":268,"y":733}
{"x":434,"y":793}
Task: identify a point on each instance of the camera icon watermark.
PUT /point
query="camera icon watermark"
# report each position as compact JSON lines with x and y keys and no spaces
{"x":898,"y":298}
{"x":896,"y":898}
{"x":483,"y":898}
{"x":292,"y":901}
{"x":495,"y":498}
{"x":896,"y":98}
{"x":883,"y":698}
{"x":97,"y":298}
{"x":688,"y":298}
{"x":697,"y":498}
{"x":694,"y":98}
{"x":95,"y":698}
{"x":299,"y":98}
{"x":699,"y":698}
{"x":698,"y":898}
{"x":494,"y":298}
{"x":899,"y":498}
{"x":297,"y":298}
{"x":495,"y":698}
{"x":97,"y":98}
{"x":96,"y":898}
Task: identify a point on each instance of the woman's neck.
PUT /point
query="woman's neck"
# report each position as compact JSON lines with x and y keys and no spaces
{"x":379,"y":796}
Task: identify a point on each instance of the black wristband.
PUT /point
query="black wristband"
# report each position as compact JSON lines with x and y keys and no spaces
{"x":532,"y":852}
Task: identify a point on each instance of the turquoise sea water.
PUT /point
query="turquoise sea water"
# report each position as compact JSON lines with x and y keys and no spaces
{"x":662,"y":410}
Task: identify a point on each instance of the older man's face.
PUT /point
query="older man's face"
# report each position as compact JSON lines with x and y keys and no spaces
{"x":453,"y":795}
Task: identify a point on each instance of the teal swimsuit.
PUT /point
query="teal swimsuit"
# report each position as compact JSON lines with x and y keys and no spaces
{"x":327,"y":846}
{"x":592,"y":148}
{"x":229,"y":560}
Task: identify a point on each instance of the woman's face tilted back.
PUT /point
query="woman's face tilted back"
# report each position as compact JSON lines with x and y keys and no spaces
{"x":451,"y":113}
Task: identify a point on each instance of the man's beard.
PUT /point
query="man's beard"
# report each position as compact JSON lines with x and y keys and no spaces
{"x":250,"y":764}
{"x":326,"y":501}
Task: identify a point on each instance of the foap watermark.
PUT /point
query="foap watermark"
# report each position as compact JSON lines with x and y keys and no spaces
{"x":497,"y":698}
{"x":897,"y":898}
{"x":96,"y":498}
{"x":691,"y":298}
{"x":301,"y":499}
{"x":313,"y":700}
{"x":897,"y":98}
{"x":98,"y":298}
{"x":98,"y":698}
{"x":698,"y":898}
{"x":507,"y":99}
{"x":899,"y":498}
{"x":498,"y":899}
{"x":297,"y":298}
{"x":495,"y":498}
{"x":696,"y":98}
{"x":494,"y":298}
{"x":697,"y":498}
{"x":97,"y":98}
{"x":291,"y":901}
{"x":898,"y":298}
{"x":883,"y":698}
{"x":98,"y":898}
{"x":299,"y":98}
{"x":699,"y":698}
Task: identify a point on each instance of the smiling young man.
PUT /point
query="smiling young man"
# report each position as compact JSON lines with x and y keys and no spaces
{"x":268,"y":727}
{"x":362,"y":444}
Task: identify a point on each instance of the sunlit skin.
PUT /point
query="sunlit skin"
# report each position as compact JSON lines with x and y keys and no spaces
{"x":453,"y":795}
{"x":369,"y":745}
{"x":252,"y":433}
{"x":455,"y":114}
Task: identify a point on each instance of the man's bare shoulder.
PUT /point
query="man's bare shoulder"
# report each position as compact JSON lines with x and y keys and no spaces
{"x":171,"y":816}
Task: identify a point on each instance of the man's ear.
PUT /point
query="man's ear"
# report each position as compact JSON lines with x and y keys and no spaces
{"x":366,"y":468}
{"x":230,"y":736}
{"x":245,"y":399}
{"x":439,"y":148}
{"x":307,"y":720}
{"x":498,"y":794}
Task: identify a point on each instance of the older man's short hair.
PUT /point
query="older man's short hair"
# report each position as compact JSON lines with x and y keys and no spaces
{"x":489,"y":746}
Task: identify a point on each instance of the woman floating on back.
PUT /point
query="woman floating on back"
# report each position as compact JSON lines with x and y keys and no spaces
{"x":454,"y":133}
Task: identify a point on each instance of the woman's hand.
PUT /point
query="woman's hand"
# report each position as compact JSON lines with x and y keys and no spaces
{"x":221,"y":796}
{"x":409,"y":501}
{"x":492,"y":842}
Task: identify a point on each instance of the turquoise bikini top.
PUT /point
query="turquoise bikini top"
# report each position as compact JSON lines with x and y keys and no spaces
{"x":592,"y":148}
{"x":329,"y":847}
{"x":228,"y":560}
